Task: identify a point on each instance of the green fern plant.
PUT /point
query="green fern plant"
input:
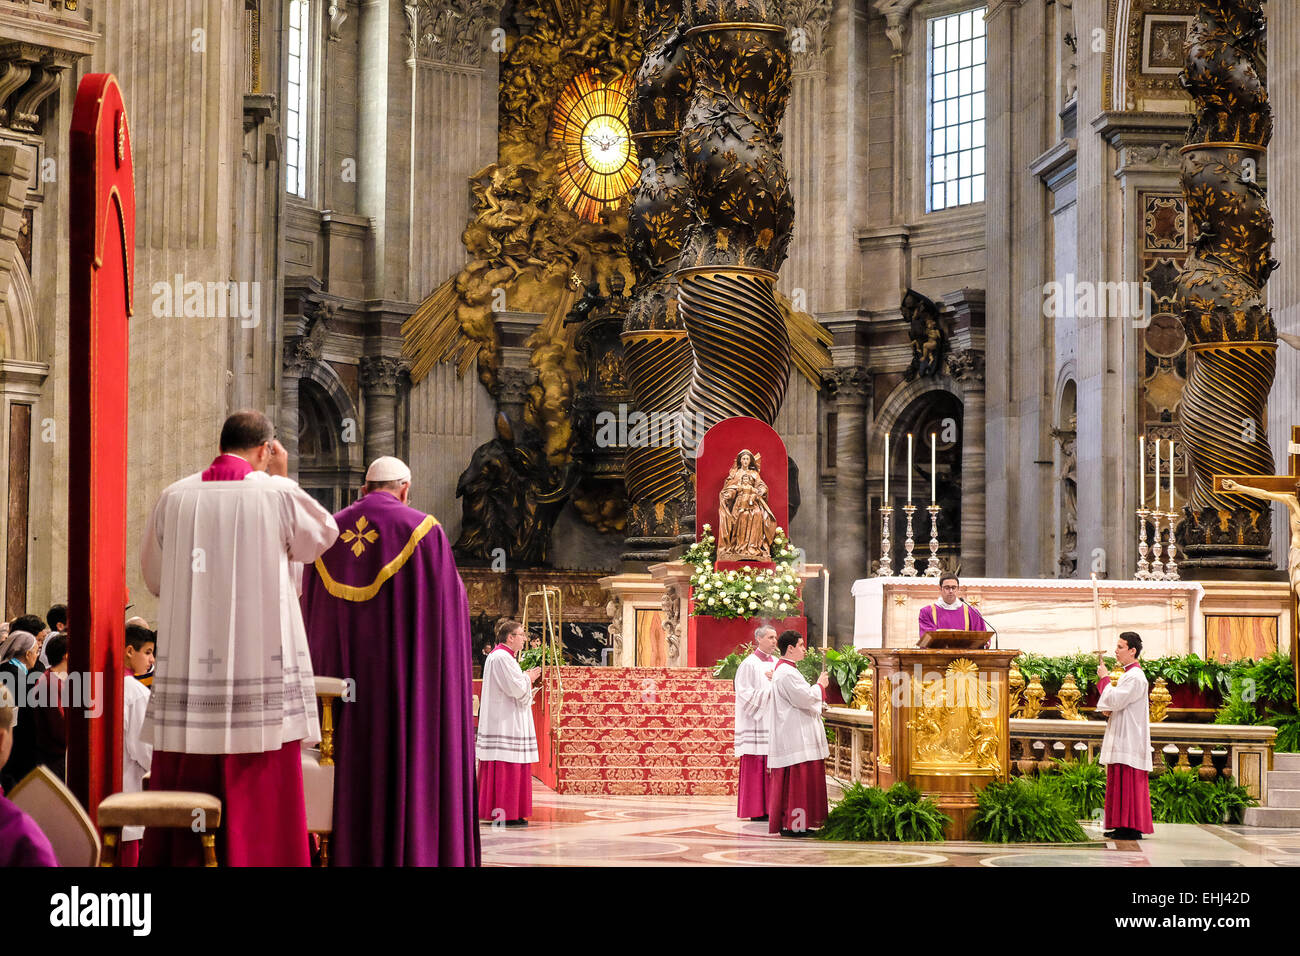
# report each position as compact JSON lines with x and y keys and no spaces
{"x":1288,"y":731}
{"x":1025,"y":810}
{"x":873,"y":815}
{"x":1228,"y":801}
{"x":726,"y":668}
{"x":1179,"y":796}
{"x":1082,"y":783}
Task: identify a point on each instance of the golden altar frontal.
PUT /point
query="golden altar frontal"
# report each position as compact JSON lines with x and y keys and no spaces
{"x":943,"y":724}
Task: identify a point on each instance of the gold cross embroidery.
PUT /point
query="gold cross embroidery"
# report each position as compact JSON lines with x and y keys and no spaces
{"x":359,"y":537}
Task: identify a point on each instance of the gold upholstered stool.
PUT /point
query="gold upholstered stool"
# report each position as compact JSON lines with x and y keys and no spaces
{"x":169,"y":809}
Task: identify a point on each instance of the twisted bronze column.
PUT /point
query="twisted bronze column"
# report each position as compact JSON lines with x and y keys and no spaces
{"x":1220,"y":292}
{"x":656,"y":349}
{"x":744,"y":212}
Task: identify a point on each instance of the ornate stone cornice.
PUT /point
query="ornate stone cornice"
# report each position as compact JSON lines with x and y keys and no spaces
{"x":29,"y":73}
{"x":848,"y":384}
{"x":967,"y":366}
{"x":450,"y":31}
{"x":380,"y":374}
{"x":806,"y":22}
{"x":300,"y":353}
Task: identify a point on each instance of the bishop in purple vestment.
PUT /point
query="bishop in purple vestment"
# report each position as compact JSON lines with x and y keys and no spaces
{"x":949,"y":613}
{"x":386,"y":608}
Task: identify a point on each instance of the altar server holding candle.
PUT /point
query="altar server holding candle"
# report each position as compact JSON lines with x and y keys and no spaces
{"x":796,"y":789}
{"x":753,"y":699}
{"x":1126,"y":746}
{"x":507,"y":740}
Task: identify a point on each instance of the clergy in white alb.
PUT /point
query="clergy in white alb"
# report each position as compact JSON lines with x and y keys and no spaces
{"x":137,"y":757}
{"x":753,"y":698}
{"x":1126,"y":745}
{"x":796,"y":759}
{"x":506,"y":744}
{"x":234,"y":696}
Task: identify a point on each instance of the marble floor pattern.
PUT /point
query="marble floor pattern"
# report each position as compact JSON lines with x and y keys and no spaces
{"x":703,"y":831}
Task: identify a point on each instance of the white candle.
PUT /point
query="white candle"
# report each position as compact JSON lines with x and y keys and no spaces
{"x":886,"y":469}
{"x":1142,"y":471}
{"x":1158,"y":474}
{"x":934,"y":473}
{"x":909,"y":468}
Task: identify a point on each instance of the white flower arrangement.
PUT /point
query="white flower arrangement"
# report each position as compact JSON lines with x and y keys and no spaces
{"x":748,"y":592}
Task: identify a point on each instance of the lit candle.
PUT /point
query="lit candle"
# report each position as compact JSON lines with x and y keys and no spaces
{"x":1142,"y":471}
{"x":886,"y":469}
{"x":909,"y":468}
{"x":934,"y":474}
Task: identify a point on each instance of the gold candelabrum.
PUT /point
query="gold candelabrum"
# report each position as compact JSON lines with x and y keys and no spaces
{"x":1034,"y":695}
{"x":862,"y":690}
{"x":1160,"y":700}
{"x":886,"y":569}
{"x":932,"y":568}
{"x":1144,"y":566}
{"x":1068,"y":696}
{"x":1015,"y":687}
{"x":909,"y":562}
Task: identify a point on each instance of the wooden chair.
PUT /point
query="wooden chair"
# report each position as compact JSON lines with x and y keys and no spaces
{"x":318,"y":767}
{"x":170,"y":809}
{"x":61,"y":817}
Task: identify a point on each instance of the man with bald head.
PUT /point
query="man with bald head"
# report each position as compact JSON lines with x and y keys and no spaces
{"x":386,"y":609}
{"x":234,"y":695}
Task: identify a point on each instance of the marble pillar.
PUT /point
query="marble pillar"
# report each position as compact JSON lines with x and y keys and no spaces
{"x":848,"y":547}
{"x":380,"y":378}
{"x":967,"y":368}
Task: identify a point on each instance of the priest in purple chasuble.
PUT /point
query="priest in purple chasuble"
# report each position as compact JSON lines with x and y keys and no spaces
{"x":950,"y":613}
{"x":386,"y":609}
{"x":1126,"y":745}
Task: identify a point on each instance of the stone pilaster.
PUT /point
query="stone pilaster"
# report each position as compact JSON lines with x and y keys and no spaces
{"x":967,"y":368}
{"x":380,"y":377}
{"x":850,"y":388}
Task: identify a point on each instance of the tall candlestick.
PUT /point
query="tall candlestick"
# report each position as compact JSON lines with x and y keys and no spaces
{"x":934,"y":472}
{"x":886,"y":468}
{"x":909,"y":468}
{"x":1142,"y":471}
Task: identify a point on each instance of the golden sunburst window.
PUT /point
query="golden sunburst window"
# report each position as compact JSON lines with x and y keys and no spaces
{"x":590,"y":125}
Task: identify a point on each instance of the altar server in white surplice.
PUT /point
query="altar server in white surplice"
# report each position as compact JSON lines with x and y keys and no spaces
{"x":234,"y":693}
{"x":753,"y":700}
{"x":1126,"y":746}
{"x":507,"y":740}
{"x":796,"y":759}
